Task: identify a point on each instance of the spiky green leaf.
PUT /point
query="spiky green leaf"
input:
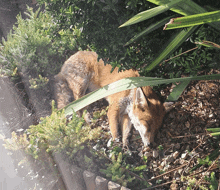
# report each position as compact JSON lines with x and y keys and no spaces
{"x":173,"y":45}
{"x":193,"y":20}
{"x":177,"y":91}
{"x":150,"y":13}
{"x":125,"y":84}
{"x":148,"y":30}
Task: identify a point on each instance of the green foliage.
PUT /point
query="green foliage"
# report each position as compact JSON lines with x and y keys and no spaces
{"x":99,"y":21}
{"x":116,"y":170}
{"x":183,"y":8}
{"x":213,"y":181}
{"x":121,"y":172}
{"x":192,"y":20}
{"x":160,"y":147}
{"x":32,"y":45}
{"x":98,"y":114}
{"x":55,"y":134}
{"x":192,"y":182}
{"x":38,"y":82}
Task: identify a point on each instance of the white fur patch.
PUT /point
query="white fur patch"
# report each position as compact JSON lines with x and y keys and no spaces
{"x":134,"y":119}
{"x":139,"y":127}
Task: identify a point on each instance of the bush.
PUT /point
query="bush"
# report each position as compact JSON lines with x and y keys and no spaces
{"x":32,"y":46}
{"x":99,"y":22}
{"x":55,"y":134}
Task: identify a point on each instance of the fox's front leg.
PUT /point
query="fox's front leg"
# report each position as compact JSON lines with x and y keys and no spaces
{"x":126,"y":126}
{"x":113,"y":118}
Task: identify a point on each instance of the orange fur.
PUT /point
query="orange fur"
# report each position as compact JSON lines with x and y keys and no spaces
{"x":140,"y":106}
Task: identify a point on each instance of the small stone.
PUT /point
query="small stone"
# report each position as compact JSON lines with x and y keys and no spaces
{"x":145,"y":149}
{"x":163,"y":163}
{"x":180,"y":171}
{"x":113,"y":186}
{"x":187,"y":124}
{"x":155,"y":153}
{"x":148,"y":154}
{"x":140,"y":154}
{"x":169,"y":159}
{"x":175,"y":154}
{"x":184,"y":155}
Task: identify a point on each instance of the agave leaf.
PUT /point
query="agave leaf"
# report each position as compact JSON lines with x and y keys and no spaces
{"x":125,"y":84}
{"x":213,"y":129}
{"x":215,"y":134}
{"x":172,"y":46}
{"x":177,"y":91}
{"x":148,"y":30}
{"x":186,"y":8}
{"x":150,"y":13}
{"x":193,"y":20}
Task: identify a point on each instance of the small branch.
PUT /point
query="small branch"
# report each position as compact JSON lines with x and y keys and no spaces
{"x":178,"y":137}
{"x":181,"y":54}
{"x":167,"y":172}
{"x":158,"y":185}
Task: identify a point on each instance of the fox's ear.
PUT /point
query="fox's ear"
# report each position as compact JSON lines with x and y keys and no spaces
{"x":168,"y":106}
{"x":140,"y":98}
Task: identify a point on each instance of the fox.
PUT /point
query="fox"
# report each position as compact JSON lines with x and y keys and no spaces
{"x":139,"y":107}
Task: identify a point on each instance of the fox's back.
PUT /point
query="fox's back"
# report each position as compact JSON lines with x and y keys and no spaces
{"x":85,"y":64}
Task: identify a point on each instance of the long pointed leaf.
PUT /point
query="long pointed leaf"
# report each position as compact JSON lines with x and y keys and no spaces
{"x":213,"y":129}
{"x":186,"y":8}
{"x":125,"y":84}
{"x":173,"y":45}
{"x":193,"y":20}
{"x":148,"y":30}
{"x":150,"y":13}
{"x":177,"y":91}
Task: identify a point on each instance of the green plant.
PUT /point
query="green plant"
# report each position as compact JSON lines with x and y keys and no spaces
{"x":98,"y":114}
{"x":38,"y":82}
{"x":99,"y":21}
{"x":213,"y":181}
{"x":32,"y":45}
{"x":160,"y":147}
{"x":178,"y":6}
{"x":123,"y":173}
{"x":55,"y":134}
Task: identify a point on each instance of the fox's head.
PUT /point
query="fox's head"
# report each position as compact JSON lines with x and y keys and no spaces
{"x":148,"y":113}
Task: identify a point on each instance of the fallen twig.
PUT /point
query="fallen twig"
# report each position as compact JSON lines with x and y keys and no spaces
{"x":158,"y":185}
{"x":167,"y":172}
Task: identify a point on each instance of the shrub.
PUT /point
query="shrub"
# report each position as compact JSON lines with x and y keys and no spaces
{"x":32,"y":45}
{"x":55,"y":134}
